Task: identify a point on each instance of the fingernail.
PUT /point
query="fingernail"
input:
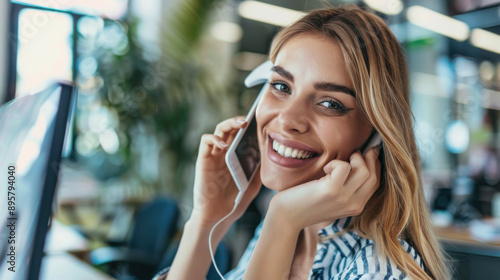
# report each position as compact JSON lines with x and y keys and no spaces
{"x":241,"y":120}
{"x":223,"y":144}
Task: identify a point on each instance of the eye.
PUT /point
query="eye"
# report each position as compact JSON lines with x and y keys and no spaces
{"x":280,"y":87}
{"x":333,"y":106}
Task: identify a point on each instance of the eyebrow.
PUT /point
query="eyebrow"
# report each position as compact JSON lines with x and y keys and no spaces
{"x":325,"y":86}
{"x":282,"y":72}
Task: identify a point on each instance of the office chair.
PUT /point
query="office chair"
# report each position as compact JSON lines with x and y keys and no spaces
{"x":154,"y":226}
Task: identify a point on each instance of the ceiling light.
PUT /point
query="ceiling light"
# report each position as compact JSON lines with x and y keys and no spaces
{"x":388,"y":7}
{"x":268,"y":13}
{"x":438,"y":23}
{"x":485,"y":40}
{"x":457,"y":137}
{"x":226,"y":31}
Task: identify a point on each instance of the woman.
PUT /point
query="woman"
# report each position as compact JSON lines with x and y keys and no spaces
{"x":339,"y":75}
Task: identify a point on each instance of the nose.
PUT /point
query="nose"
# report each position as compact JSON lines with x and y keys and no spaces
{"x":293,"y":117}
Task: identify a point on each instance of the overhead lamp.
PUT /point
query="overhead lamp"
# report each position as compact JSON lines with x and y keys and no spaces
{"x":268,"y":13}
{"x":388,"y":7}
{"x":226,"y":31}
{"x":438,"y":22}
{"x":457,"y":137}
{"x":483,"y":39}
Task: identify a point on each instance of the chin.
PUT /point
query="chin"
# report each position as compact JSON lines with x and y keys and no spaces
{"x":279,"y":182}
{"x":275,"y":185}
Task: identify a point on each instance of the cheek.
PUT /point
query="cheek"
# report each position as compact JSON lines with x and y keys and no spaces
{"x":343,"y":138}
{"x":265,"y":111}
{"x":261,"y":118}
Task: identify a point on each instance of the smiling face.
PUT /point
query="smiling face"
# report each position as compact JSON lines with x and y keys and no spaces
{"x":308,"y":115}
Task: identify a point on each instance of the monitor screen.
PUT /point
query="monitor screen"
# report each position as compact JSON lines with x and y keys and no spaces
{"x":32,"y":133}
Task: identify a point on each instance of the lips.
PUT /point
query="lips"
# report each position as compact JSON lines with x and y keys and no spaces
{"x":287,"y":153}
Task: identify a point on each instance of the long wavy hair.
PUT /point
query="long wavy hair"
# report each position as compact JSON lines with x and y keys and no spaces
{"x":377,"y":68}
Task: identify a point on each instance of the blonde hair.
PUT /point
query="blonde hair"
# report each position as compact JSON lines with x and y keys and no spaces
{"x":377,"y":67}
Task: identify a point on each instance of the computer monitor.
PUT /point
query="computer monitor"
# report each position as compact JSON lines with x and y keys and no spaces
{"x":32,"y":133}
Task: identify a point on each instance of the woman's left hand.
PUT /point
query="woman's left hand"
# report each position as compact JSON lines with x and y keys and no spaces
{"x":342,"y":192}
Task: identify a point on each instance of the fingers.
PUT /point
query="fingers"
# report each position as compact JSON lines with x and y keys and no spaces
{"x":358,"y":170}
{"x":222,"y":137}
{"x":369,"y":186}
{"x":338,"y":170}
{"x":209,"y":142}
{"x":373,"y":165}
{"x":230,"y":126}
{"x":372,"y":162}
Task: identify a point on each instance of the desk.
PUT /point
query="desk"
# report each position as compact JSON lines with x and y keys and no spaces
{"x":62,"y":238}
{"x":58,"y":263}
{"x":65,"y":266}
{"x":461,"y":234}
{"x":472,"y":259}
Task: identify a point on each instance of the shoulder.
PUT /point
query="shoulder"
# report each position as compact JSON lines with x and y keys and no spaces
{"x":368,"y":264}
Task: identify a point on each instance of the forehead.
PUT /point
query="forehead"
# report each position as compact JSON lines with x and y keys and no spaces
{"x":313,"y":58}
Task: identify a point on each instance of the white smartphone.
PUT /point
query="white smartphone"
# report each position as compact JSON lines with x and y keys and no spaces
{"x":243,"y":156}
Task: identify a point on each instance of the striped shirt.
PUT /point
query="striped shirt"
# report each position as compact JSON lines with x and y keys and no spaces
{"x":346,"y":256}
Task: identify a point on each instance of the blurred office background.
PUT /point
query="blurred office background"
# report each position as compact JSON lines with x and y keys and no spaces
{"x":154,"y":75}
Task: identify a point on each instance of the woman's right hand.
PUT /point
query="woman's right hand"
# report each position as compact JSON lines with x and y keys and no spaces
{"x":214,"y":188}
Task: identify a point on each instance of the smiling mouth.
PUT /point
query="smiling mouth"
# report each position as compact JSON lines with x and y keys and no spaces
{"x":293,"y":153}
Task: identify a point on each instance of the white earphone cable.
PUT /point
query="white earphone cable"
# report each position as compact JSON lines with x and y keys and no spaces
{"x":236,"y":202}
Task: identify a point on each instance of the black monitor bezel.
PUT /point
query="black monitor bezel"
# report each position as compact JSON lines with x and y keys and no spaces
{"x":66,"y":103}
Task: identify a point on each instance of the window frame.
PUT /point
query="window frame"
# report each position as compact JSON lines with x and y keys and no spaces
{"x":13,"y":33}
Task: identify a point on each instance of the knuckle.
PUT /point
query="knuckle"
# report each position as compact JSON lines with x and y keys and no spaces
{"x":358,"y":212}
{"x":364,"y":173}
{"x":344,"y":165}
{"x":356,"y":209}
{"x":372,"y":180}
{"x":345,"y":201}
{"x":206,"y":136}
{"x":342,"y":200}
{"x":353,"y":155}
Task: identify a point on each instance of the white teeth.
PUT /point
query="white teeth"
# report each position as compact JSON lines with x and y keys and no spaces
{"x":281,"y":150}
{"x":290,"y":152}
{"x":299,"y":155}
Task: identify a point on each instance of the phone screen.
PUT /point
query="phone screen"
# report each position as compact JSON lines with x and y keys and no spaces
{"x":247,"y":151}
